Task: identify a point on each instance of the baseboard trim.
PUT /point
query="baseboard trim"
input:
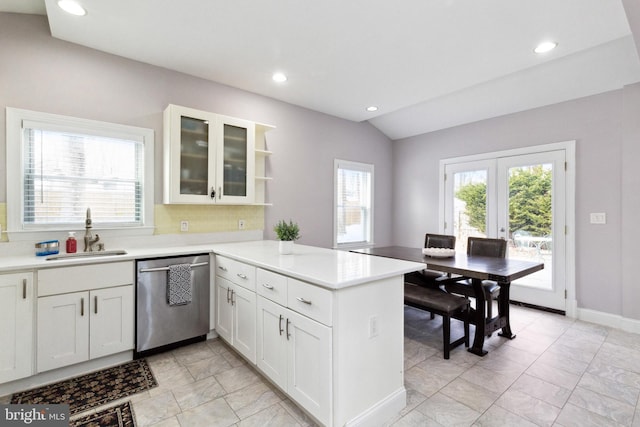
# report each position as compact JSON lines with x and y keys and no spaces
{"x":607,"y":319}
{"x":385,"y":410}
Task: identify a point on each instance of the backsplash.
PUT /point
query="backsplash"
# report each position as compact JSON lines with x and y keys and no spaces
{"x":202,"y":218}
{"x":207,"y":219}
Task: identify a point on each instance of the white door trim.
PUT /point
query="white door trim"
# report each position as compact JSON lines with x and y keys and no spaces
{"x":570,"y":150}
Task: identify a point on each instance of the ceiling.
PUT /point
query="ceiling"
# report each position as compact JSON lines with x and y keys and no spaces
{"x":427,"y":65}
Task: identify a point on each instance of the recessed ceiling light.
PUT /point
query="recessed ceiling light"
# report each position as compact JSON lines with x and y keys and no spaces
{"x":372,"y":108}
{"x":72,"y":7}
{"x":545,"y":47}
{"x":279,"y":78}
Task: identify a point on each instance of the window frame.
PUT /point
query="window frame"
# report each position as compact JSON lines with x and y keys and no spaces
{"x":355,"y":166}
{"x":15,"y":168}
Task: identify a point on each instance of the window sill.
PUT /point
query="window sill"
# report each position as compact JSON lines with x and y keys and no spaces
{"x":61,"y":234}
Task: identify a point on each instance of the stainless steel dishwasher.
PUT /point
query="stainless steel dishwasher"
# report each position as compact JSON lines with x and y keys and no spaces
{"x":161,"y":325}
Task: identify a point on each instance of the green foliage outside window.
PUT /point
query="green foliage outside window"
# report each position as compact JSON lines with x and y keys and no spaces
{"x":529,"y":201}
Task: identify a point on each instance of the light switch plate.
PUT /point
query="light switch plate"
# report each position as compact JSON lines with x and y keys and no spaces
{"x":598,"y":218}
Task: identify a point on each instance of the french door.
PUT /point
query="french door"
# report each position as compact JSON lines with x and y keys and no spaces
{"x":519,"y":198}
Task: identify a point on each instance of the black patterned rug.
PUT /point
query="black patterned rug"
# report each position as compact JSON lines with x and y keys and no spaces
{"x":95,"y":389}
{"x":116,"y":416}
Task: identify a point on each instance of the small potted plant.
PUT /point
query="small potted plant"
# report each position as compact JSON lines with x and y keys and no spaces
{"x":287,"y":233}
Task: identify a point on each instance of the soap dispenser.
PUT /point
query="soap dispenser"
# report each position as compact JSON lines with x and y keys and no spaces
{"x":72,"y":244}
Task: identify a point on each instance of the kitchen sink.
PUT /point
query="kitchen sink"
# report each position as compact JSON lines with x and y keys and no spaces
{"x":86,"y":254}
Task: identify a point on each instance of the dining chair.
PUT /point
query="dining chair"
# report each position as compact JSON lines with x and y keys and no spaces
{"x":429,"y":277}
{"x":479,"y":246}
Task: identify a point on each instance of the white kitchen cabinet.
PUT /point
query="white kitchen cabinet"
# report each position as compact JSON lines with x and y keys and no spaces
{"x":236,"y":305}
{"x":211,"y":158}
{"x":76,"y":327}
{"x":16,"y":332}
{"x":293,"y":350}
{"x":84,"y":312}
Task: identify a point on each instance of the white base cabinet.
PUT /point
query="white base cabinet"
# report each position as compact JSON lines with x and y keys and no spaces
{"x":16,"y":331}
{"x":295,"y":353}
{"x":236,"y":305}
{"x":96,"y":320}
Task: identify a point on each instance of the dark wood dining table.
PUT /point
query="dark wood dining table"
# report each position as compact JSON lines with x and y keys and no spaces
{"x":477,"y":269}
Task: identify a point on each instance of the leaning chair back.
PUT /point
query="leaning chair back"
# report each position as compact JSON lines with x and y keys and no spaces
{"x":439,"y":241}
{"x":480,"y":246}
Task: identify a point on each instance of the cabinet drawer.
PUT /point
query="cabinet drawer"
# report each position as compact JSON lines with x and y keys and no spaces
{"x":62,"y":280}
{"x":237,"y":272}
{"x":272,"y":286}
{"x":309,"y":300}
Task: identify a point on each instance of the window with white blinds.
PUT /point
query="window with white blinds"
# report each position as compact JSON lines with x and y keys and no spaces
{"x":353,"y":213}
{"x":67,"y":165}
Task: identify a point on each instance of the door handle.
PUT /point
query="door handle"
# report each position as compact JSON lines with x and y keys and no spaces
{"x":213,"y":193}
{"x":24,"y":288}
{"x":233,"y":301}
{"x":81,"y":306}
{"x":288,"y":334}
{"x":228,"y":298}
{"x":280,"y":325}
{"x":95,"y":304}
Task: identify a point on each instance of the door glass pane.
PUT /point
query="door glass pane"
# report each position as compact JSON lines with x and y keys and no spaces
{"x":530,"y":220}
{"x":235,"y":161}
{"x":469,"y":206}
{"x":194,"y":156}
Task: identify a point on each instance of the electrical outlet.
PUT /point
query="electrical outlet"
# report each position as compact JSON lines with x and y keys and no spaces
{"x":241,"y":224}
{"x":598,"y":218}
{"x":184,"y":225}
{"x":373,"y":326}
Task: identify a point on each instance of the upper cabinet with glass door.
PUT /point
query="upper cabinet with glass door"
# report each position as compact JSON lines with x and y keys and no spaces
{"x":209,"y":158}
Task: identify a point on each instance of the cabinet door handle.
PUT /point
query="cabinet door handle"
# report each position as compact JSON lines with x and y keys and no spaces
{"x":242,"y":276}
{"x":233,"y":301}
{"x":24,"y":288}
{"x":222,"y":268}
{"x":268,"y":286}
{"x":213,"y":193}
{"x":288,"y":334}
{"x":81,"y":306}
{"x":95,"y":304}
{"x":228,"y":298}
{"x":280,"y":325}
{"x":305,"y":301}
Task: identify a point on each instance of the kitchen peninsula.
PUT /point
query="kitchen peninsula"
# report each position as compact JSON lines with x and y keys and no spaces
{"x":329,"y":326}
{"x":325,"y":326}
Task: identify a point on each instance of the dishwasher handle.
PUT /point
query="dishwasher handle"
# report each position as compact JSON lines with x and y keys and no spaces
{"x":150,"y":270}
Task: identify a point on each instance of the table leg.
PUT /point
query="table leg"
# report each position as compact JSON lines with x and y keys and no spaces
{"x":503,"y":310}
{"x":480,"y":321}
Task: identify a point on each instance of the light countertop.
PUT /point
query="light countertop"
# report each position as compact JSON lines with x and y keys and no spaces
{"x":333,"y":269}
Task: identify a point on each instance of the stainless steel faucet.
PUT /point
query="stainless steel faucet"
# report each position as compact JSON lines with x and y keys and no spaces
{"x":89,"y":240}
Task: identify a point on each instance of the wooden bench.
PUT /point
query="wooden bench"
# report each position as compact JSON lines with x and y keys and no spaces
{"x":437,"y":301}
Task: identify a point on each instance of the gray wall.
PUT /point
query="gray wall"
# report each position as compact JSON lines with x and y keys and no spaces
{"x":606,"y":131}
{"x":40,"y":73}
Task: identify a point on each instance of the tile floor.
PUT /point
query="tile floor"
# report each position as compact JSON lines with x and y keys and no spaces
{"x":557,"y":372}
